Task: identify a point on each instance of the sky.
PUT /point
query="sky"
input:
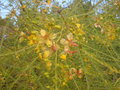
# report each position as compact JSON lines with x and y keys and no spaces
{"x":66,"y":2}
{"x":4,"y":11}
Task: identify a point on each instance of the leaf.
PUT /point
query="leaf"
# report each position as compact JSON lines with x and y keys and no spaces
{"x":21,"y":39}
{"x":63,"y":2}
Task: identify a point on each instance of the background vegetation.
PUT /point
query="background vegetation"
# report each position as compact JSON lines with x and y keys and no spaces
{"x":45,"y":45}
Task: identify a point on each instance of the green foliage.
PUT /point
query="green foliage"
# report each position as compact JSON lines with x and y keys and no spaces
{"x":65,"y":49}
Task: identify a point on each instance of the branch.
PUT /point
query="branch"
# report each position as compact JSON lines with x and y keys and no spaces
{"x":22,"y":5}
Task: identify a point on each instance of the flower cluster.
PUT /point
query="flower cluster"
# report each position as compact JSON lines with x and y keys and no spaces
{"x":53,"y":42}
{"x":73,"y":72}
{"x":46,"y":44}
{"x":67,"y":43}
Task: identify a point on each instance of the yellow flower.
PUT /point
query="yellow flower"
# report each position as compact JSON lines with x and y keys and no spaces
{"x":23,"y":6}
{"x":48,"y":64}
{"x":49,"y":43}
{"x":63,"y":56}
{"x":64,"y":83}
{"x":46,"y":54}
{"x":47,"y":86}
{"x":64,"y":42}
{"x":17,"y":56}
{"x":31,"y":42}
{"x":22,"y":34}
{"x":32,"y":37}
{"x":43,"y":32}
{"x":70,"y":36}
{"x":52,"y":36}
{"x":112,"y":37}
{"x":37,"y":49}
{"x":57,"y":26}
{"x":34,"y":32}
{"x":40,"y":55}
{"x":49,"y":2}
{"x":78,"y":25}
{"x":79,"y":32}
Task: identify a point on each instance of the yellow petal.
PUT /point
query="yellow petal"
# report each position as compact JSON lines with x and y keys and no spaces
{"x":73,"y":71}
{"x":43,"y":32}
{"x":49,"y":2}
{"x":49,"y":43}
{"x":70,"y":36}
{"x":21,"y":39}
{"x":112,"y":37}
{"x":66,"y":48}
{"x":78,"y":25}
{"x":22,"y":34}
{"x":63,"y":56}
{"x":37,"y":49}
{"x":32,"y":37}
{"x":81,"y":32}
{"x":57,"y":26}
{"x":46,"y":54}
{"x":35,"y":38}
{"x":34,"y":32}
{"x":63,"y":41}
{"x":23,"y":6}
{"x":53,"y":36}
{"x":31,"y":42}
{"x":49,"y":64}
{"x":43,"y":48}
{"x":40,"y":55}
